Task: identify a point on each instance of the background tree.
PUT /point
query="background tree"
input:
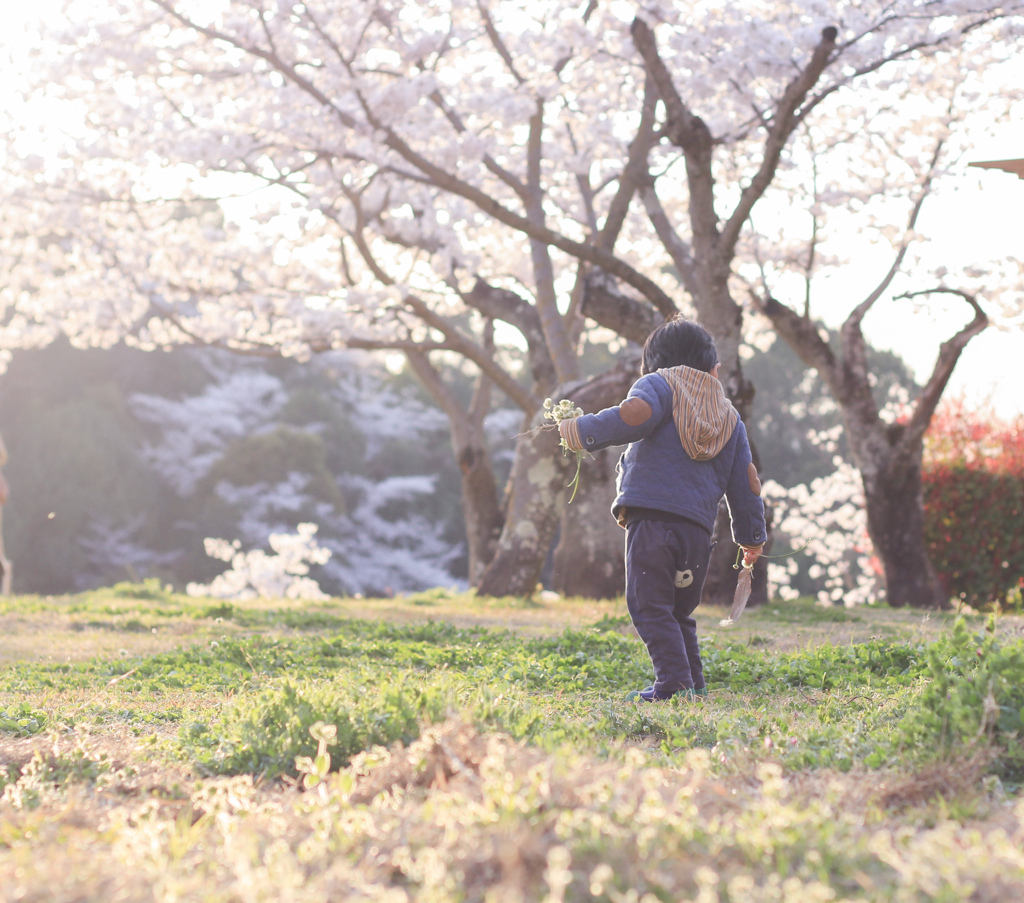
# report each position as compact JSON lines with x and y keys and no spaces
{"x":885,"y":445}
{"x":436,"y":168}
{"x":126,"y":461}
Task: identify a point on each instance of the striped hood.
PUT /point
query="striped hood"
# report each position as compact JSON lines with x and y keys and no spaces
{"x":704,"y":417}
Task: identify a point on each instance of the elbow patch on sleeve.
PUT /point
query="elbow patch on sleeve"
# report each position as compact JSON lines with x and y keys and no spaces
{"x":755,"y":483}
{"x":635,"y":411}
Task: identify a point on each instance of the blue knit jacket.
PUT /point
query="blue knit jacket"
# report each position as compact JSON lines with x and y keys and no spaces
{"x":656,"y":471}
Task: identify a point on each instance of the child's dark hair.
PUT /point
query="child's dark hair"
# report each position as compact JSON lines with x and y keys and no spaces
{"x":679,"y":342}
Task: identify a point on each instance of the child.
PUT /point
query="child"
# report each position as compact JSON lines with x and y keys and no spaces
{"x":687,"y":448}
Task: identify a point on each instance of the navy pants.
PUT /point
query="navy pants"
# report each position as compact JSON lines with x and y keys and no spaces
{"x":666,"y":565}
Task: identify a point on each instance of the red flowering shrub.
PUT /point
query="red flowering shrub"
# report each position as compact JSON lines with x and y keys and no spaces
{"x":973,"y":476}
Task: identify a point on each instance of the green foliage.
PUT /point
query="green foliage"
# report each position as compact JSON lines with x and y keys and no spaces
{"x":973,"y":698}
{"x":33,"y":784}
{"x":430,"y":597}
{"x":314,"y":769}
{"x":224,"y":611}
{"x":150,"y":588}
{"x":265,"y":736}
{"x":570,"y":688}
{"x":824,"y":667}
{"x":880,"y":703}
{"x":21,"y":720}
{"x":458,"y":744}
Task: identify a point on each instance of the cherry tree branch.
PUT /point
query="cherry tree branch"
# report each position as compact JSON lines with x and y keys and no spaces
{"x":586,"y":189}
{"x":563,"y":355}
{"x":606,"y":303}
{"x":440,"y":391}
{"x":496,"y":303}
{"x":943,"y":40}
{"x":782,"y":122}
{"x":486,"y":204}
{"x":635,"y":171}
{"x":268,"y":56}
{"x":490,"y":303}
{"x":684,"y":129}
{"x":678,"y":250}
{"x":632,"y":180}
{"x":497,"y":42}
{"x":804,"y":337}
{"x":480,"y":403}
{"x":492,"y":165}
{"x":949,"y":354}
{"x":855,"y":348}
{"x":861,"y":310}
{"x":457,"y":341}
{"x":812,"y":244}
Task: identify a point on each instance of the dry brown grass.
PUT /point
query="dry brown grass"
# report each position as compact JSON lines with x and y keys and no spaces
{"x":958,"y":779}
{"x":72,"y":629}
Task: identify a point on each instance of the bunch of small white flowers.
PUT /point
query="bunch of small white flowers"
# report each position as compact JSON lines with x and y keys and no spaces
{"x":565,"y":410}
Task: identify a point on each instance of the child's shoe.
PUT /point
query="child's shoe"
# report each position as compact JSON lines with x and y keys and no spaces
{"x":649,"y":694}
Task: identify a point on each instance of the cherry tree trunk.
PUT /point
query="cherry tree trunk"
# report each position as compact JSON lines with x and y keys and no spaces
{"x":895,"y":509}
{"x":540,"y":475}
{"x":888,"y":456}
{"x":538,"y":480}
{"x":590,"y":559}
{"x":481,"y":509}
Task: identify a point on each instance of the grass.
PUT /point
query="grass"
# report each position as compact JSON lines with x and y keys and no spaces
{"x":158,"y":747}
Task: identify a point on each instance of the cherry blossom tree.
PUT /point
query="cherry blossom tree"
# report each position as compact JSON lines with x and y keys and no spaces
{"x":888,"y":452}
{"x":459,"y":179}
{"x":788,"y":279}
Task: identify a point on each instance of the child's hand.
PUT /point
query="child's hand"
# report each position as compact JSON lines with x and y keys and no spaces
{"x":750,"y":555}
